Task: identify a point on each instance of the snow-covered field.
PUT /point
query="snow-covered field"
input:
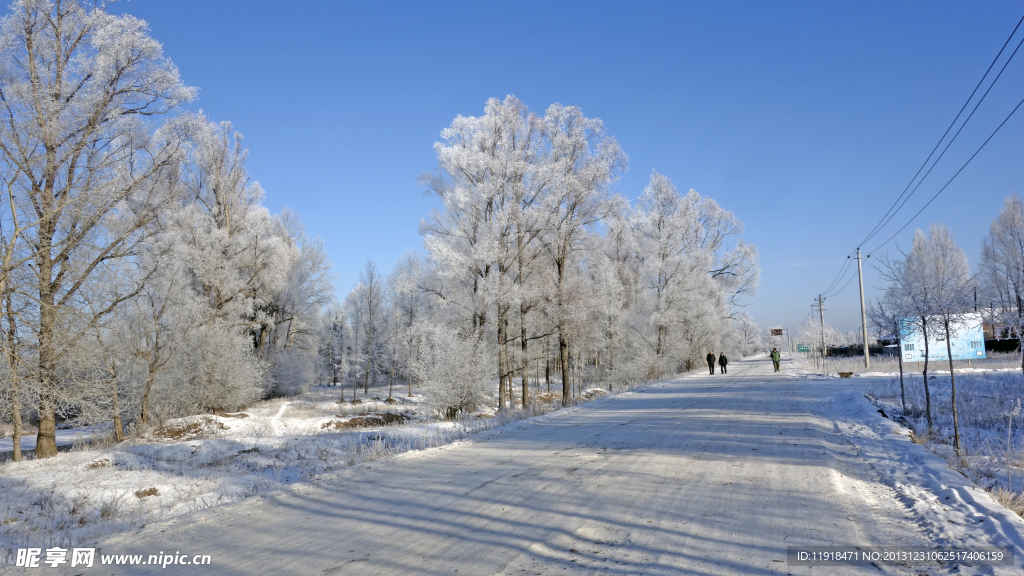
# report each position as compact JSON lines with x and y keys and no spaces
{"x":700,"y":475}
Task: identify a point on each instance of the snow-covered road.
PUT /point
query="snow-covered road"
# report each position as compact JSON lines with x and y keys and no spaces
{"x":702,"y":475}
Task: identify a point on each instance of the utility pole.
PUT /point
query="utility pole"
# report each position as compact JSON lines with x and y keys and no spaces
{"x":863,"y":312}
{"x":821,"y":316}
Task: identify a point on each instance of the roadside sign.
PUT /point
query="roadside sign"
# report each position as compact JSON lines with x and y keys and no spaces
{"x":776,"y":331}
{"x":967,"y":339}
{"x":803,"y":348}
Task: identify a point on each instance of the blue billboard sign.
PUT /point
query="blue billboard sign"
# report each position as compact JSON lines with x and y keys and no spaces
{"x":966,"y":339}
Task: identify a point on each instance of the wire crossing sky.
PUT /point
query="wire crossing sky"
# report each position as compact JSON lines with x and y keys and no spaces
{"x":804,"y":119}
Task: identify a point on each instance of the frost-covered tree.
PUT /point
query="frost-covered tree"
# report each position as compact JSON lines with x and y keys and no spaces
{"x":87,"y":159}
{"x":748,"y":333}
{"x":367,"y":315}
{"x":294,"y":311}
{"x":690,"y":277}
{"x":239,"y":257}
{"x":139,"y":271}
{"x":407,"y":307}
{"x":581,"y":163}
{"x":490,"y":182}
{"x":931,"y":283}
{"x":334,"y":334}
{"x":1001,"y":270}
{"x":155,"y":326}
{"x":614,"y":279}
{"x":529,"y":246}
{"x":885,"y":315}
{"x":938,"y":268}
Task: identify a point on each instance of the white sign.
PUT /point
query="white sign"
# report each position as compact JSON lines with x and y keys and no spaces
{"x":966,"y":338}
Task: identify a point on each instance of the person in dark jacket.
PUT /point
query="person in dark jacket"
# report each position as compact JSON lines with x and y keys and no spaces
{"x":711,"y":362}
{"x":722,"y":361}
{"x":776,"y":358}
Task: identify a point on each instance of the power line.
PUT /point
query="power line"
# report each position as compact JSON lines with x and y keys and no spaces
{"x":852,"y":276}
{"x":840,"y":280}
{"x":1005,"y":120}
{"x":884,"y":220}
{"x":837,"y":279}
{"x":904,"y":197}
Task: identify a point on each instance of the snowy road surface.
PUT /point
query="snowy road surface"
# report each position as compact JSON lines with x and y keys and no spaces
{"x":702,"y":475}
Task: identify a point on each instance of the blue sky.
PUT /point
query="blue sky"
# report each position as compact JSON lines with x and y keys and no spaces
{"x":805,"y":119}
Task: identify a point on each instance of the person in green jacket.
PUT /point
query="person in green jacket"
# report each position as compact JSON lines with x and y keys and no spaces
{"x":776,"y":358}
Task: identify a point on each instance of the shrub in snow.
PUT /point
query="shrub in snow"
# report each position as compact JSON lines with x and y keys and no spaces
{"x":450,"y":370}
{"x":291,"y":371}
{"x":223,"y":372}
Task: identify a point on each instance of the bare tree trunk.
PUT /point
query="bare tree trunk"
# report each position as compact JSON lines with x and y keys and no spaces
{"x":12,"y":368}
{"x":510,"y":363}
{"x":658,"y":352}
{"x":611,"y":354}
{"x":261,"y":340}
{"x":408,"y":370}
{"x":927,"y":392}
{"x":1020,"y":322}
{"x":563,"y":351}
{"x":899,"y":356}
{"x":46,"y":441}
{"x":501,"y":361}
{"x":391,"y":377}
{"x":547,"y":362}
{"x":46,"y":437}
{"x":115,"y":402}
{"x":366,"y":379}
{"x":952,"y":382}
{"x":526,"y":357}
{"x":146,"y":394}
{"x":580,"y":367}
{"x":16,"y":413}
{"x":573,"y":373}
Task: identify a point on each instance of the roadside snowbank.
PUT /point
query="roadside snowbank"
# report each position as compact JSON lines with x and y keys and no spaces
{"x":959,"y":513}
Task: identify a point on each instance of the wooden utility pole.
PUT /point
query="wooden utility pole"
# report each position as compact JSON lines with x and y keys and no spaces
{"x":863,"y":311}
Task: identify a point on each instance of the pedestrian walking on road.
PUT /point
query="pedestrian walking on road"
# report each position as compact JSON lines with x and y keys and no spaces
{"x":722,"y":361}
{"x":776,"y":358}
{"x":711,"y":362}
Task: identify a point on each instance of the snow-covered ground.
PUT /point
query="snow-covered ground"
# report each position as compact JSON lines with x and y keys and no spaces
{"x":990,"y":420}
{"x":194,"y":463}
{"x":700,"y":475}
{"x":66,"y":437}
